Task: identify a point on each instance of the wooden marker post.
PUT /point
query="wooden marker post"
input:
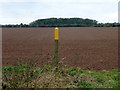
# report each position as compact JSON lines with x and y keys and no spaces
{"x":56,"y":37}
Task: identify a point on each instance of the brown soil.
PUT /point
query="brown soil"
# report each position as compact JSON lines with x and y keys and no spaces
{"x":84,"y":47}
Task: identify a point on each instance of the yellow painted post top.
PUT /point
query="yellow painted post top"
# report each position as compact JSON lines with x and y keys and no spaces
{"x":56,"y":33}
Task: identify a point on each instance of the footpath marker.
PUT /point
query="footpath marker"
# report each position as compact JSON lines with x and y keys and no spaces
{"x":56,"y":37}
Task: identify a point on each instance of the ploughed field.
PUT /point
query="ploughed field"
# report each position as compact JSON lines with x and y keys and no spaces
{"x":94,"y":48}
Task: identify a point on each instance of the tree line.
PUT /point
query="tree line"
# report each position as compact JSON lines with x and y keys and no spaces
{"x":64,"y":22}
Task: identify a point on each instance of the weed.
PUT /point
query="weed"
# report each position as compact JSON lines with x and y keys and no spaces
{"x":29,"y":76}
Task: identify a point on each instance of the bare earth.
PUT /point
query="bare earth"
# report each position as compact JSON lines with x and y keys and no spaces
{"x":84,"y":47}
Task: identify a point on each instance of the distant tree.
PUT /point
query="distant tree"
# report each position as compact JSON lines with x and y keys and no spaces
{"x":21,"y":25}
{"x":64,"y":22}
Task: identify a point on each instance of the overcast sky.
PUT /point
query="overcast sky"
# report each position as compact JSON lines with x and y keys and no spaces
{"x":26,"y":11}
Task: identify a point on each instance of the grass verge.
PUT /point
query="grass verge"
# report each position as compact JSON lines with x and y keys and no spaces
{"x":49,"y":76}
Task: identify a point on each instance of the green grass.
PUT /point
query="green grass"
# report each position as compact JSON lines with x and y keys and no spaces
{"x":27,"y":76}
